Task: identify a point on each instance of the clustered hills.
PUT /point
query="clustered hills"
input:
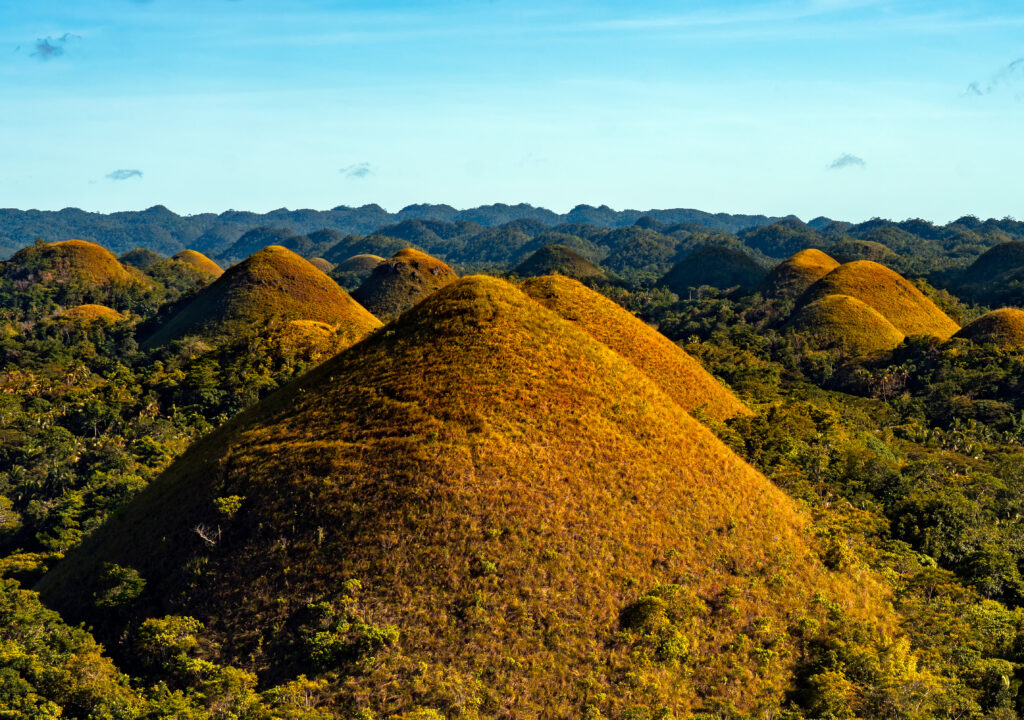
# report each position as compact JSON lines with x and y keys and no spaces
{"x":504,"y":504}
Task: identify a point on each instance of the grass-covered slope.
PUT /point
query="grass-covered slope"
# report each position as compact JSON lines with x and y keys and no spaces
{"x":559,"y":259}
{"x":846,"y":322}
{"x":199,"y":262}
{"x":401,"y":281}
{"x":1003,"y":327}
{"x":888,"y":292}
{"x":484,"y":511}
{"x":69,"y":261}
{"x":999,"y":260}
{"x":351,"y":273}
{"x":321,"y":264}
{"x":716,"y":266}
{"x":797,"y":273}
{"x":272,"y":283}
{"x":90,"y":312}
{"x":680,"y":376}
{"x":140,"y":258}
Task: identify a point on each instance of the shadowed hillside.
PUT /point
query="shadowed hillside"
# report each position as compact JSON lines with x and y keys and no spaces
{"x":797,"y":273}
{"x":559,"y":259}
{"x":199,"y":262}
{"x":1003,"y":327}
{"x":715,"y":266}
{"x":351,"y":273}
{"x":680,"y":376}
{"x":401,"y":281}
{"x":846,"y":322}
{"x":140,"y":258}
{"x":483,"y":511}
{"x":889,"y":293}
{"x":273,"y":283}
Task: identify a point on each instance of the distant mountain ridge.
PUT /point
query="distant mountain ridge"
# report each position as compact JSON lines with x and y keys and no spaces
{"x":166,"y":232}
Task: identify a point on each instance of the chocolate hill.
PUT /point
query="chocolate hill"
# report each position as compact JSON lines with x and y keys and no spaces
{"x":716,"y":266}
{"x":846,"y":322}
{"x":1003,"y":327}
{"x":797,"y":273}
{"x":199,"y":262}
{"x":70,"y":261}
{"x":351,"y":273}
{"x":401,"y":281}
{"x":559,"y":259}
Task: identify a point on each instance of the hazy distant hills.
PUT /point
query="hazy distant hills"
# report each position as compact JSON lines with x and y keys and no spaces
{"x":167,"y":232}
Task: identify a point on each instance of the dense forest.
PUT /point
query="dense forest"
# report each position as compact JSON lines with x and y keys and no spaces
{"x":504,"y":463}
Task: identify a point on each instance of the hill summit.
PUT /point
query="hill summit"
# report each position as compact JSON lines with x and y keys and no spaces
{"x":401,"y":281}
{"x":846,"y":322}
{"x":887,"y":292}
{"x":199,"y":262}
{"x":794,"y":275}
{"x":559,"y":259}
{"x":483,"y":511}
{"x":70,"y":261}
{"x":1003,"y":327}
{"x":716,"y":266}
{"x":272,"y":283}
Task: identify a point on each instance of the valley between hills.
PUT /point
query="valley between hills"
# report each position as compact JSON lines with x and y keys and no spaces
{"x":503,"y":463}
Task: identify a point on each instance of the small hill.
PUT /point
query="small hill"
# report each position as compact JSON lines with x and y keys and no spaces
{"x":680,"y":376}
{"x":794,"y":275}
{"x":140,"y":258}
{"x":199,"y":262}
{"x":716,"y":266}
{"x":559,"y":259}
{"x":1001,"y":259}
{"x":91,"y":313}
{"x":351,"y":273}
{"x":401,"y":281}
{"x":324,"y":266}
{"x":889,"y":293}
{"x":846,"y":322}
{"x":850,"y":249}
{"x":69,"y":261}
{"x":509,"y":518}
{"x":274,"y":283}
{"x":1003,"y":327}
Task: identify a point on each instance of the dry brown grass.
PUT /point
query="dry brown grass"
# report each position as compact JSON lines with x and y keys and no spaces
{"x":846,"y":322}
{"x":91,"y":313}
{"x":322,"y":264}
{"x":1003,"y":327}
{"x":682,"y":377}
{"x":400,"y":282}
{"x":897,"y":300}
{"x":797,"y":273}
{"x":501,"y":485}
{"x":199,"y":262}
{"x":273,"y":283}
{"x":71,"y":261}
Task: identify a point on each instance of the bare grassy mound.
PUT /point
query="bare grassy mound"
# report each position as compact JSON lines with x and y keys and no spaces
{"x":797,"y":273}
{"x":70,"y":261}
{"x":199,"y":262}
{"x":400,"y":282}
{"x":560,"y":259}
{"x":140,"y":258}
{"x":351,"y":273}
{"x":321,"y":264}
{"x":1003,"y":327}
{"x":272,"y":284}
{"x":888,"y":292}
{"x":680,"y":376}
{"x":846,"y":322}
{"x":91,"y":313}
{"x":508,"y":517}
{"x":715,"y":266}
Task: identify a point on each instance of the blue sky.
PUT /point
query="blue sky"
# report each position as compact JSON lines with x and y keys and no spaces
{"x":845,"y":108}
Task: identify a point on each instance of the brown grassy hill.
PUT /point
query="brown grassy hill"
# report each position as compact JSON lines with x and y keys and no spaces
{"x":680,"y":376}
{"x":851,"y":249}
{"x":351,"y":273}
{"x":322,"y":265}
{"x":716,"y":266}
{"x":559,"y":259}
{"x":846,"y":322}
{"x":70,"y":261}
{"x":272,"y":283}
{"x":199,"y":262}
{"x":140,"y":258}
{"x":91,"y":313}
{"x":1003,"y":327}
{"x":401,"y":281}
{"x":889,"y":293}
{"x":797,"y":273}
{"x":483,"y":511}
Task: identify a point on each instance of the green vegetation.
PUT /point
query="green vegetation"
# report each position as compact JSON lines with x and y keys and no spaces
{"x":351,"y":273}
{"x":559,"y":259}
{"x":846,"y":323}
{"x":396,"y":284}
{"x":714,"y":266}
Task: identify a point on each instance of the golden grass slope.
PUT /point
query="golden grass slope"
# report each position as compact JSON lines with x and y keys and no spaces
{"x":322,"y":264}
{"x":401,"y":281}
{"x":486,"y":487}
{"x":90,"y":313}
{"x":682,"y":377}
{"x":70,"y":261}
{"x":798,"y":272}
{"x":273,"y":283}
{"x":1003,"y":327}
{"x":846,"y":322}
{"x":888,"y":292}
{"x":199,"y":262}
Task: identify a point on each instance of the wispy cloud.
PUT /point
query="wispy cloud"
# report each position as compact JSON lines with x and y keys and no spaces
{"x":49,"y":48}
{"x":846,"y":160}
{"x":1006,"y":76}
{"x":357,"y":170}
{"x":124,"y":174}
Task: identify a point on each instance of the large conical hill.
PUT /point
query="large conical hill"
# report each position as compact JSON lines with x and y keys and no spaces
{"x":682,"y":377}
{"x":846,"y":322}
{"x":1003,"y":327}
{"x":70,"y":261}
{"x":889,"y":293}
{"x":401,"y":281}
{"x":480,"y":500}
{"x":715,"y":266}
{"x":559,"y":259}
{"x":273,"y":283}
{"x":199,"y":262}
{"x":798,"y":272}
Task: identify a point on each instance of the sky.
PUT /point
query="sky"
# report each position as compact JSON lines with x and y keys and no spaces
{"x":850,"y":109}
